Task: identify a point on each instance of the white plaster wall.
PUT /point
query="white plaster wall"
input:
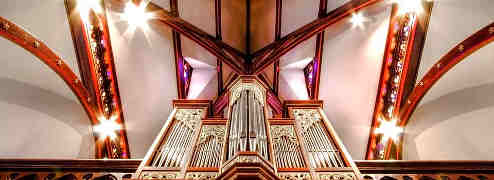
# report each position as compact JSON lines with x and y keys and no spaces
{"x":459,"y":104}
{"x":41,"y":117}
{"x":147,"y":82}
{"x":351,"y":67}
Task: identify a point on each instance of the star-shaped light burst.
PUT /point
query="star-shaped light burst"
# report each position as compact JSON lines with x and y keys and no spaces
{"x":409,"y":6}
{"x":85,"y":6}
{"x":136,"y":17}
{"x":389,"y":130}
{"x":358,"y":20}
{"x":107,"y":128}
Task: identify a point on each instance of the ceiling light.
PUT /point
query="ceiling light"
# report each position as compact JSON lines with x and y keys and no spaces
{"x":107,"y":128}
{"x":409,"y":6}
{"x":136,"y":15}
{"x":85,"y":6}
{"x":358,"y":20}
{"x":389,"y":130}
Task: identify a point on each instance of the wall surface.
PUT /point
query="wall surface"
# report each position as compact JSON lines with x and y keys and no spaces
{"x":351,"y":67}
{"x":452,"y":121}
{"x":41,"y":117}
{"x":145,"y":67}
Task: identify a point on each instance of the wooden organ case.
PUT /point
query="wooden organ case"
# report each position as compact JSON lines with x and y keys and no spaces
{"x":248,"y":144}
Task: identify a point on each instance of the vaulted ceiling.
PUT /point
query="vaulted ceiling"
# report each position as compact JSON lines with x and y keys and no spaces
{"x":33,"y":98}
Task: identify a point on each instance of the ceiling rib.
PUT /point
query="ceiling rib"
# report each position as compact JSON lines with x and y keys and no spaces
{"x":219,"y":63}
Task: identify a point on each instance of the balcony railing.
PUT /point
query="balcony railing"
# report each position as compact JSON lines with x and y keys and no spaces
{"x":48,"y":169}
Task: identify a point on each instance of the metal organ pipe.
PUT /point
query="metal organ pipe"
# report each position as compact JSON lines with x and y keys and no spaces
{"x":247,"y":125}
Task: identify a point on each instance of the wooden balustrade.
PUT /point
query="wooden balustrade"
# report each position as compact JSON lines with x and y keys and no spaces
{"x":63,"y":169}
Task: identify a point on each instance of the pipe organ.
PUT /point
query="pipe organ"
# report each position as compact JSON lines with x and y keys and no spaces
{"x":247,"y":144}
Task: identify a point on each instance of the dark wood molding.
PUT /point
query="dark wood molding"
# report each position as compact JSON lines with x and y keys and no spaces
{"x":425,"y":167}
{"x":219,"y":63}
{"x":131,"y":165}
{"x":277,"y":36}
{"x":72,"y":165}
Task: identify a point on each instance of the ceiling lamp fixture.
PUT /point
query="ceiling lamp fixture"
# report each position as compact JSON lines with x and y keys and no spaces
{"x":389,"y":130}
{"x":85,"y":6}
{"x":107,"y":128}
{"x":409,"y":6}
{"x":136,"y":15}
{"x":358,"y":20}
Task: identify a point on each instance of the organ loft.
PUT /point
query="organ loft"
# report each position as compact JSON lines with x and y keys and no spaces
{"x":247,"y":144}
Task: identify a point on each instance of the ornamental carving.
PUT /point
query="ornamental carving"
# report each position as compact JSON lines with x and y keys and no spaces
{"x":202,"y":176}
{"x":294,"y":176}
{"x":337,"y":176}
{"x":259,"y":92}
{"x":278,"y":131}
{"x":306,"y":117}
{"x":160,"y":175}
{"x":190,"y":117}
{"x":217,"y":131}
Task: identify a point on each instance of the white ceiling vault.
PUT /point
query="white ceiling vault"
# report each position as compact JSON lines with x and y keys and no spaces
{"x":42,"y":118}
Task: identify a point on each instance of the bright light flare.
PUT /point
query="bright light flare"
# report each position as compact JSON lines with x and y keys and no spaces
{"x":409,"y":6}
{"x":389,"y":130}
{"x":85,"y":6}
{"x":107,"y":128}
{"x":136,"y":15}
{"x":358,"y":20}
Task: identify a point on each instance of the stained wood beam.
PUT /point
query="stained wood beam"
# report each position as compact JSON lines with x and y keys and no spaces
{"x":404,"y":45}
{"x":98,"y":72}
{"x":272,"y":52}
{"x":277,"y":36}
{"x":219,"y":63}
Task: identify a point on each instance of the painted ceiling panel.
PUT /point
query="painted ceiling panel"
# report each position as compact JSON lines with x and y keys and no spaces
{"x":297,"y":58}
{"x":334,"y":4}
{"x":204,"y":84}
{"x":262,"y":26}
{"x":351,"y":66}
{"x":193,"y":50}
{"x":146,"y":79}
{"x":233,"y":23}
{"x":292,"y":79}
{"x":297,"y":13}
{"x":292,"y":85}
{"x":199,"y":13}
